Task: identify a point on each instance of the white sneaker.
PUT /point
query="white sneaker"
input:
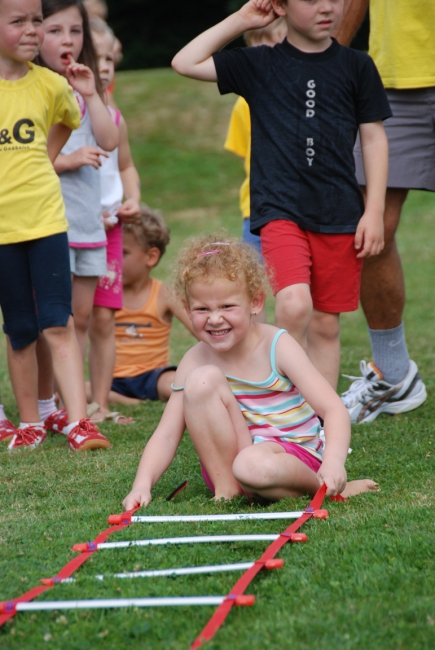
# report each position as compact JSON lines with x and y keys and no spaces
{"x":370,"y":395}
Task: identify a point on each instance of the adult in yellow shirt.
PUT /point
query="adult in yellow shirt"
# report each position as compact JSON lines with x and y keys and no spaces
{"x":402,"y":44}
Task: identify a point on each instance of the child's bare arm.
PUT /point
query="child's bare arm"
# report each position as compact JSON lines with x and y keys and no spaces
{"x":195,"y":59}
{"x":175,"y":307}
{"x":369,"y":236}
{"x":158,"y":453}
{"x":130,"y":209}
{"x":105,"y":130}
{"x":294,"y":364}
{"x":57,"y":138}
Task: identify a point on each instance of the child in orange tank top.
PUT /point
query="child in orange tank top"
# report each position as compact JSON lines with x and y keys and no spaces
{"x":143,"y":325}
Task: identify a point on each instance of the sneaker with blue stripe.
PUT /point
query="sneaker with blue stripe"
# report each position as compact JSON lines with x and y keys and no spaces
{"x":369,"y":396}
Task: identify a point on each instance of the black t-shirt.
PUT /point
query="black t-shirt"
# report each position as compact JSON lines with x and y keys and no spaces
{"x":305,"y":111}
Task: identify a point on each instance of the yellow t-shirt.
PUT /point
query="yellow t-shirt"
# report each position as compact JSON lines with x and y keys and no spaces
{"x":239,"y":142}
{"x":31,"y":203}
{"x":402,"y":42}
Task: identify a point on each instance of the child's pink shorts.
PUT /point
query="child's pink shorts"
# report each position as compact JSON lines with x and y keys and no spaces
{"x":109,"y":287}
{"x":291,"y":448}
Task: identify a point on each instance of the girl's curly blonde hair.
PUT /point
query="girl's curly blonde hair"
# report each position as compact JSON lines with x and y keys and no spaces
{"x":218,"y":255}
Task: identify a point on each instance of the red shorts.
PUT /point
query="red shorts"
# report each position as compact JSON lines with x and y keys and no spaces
{"x":328,"y":263}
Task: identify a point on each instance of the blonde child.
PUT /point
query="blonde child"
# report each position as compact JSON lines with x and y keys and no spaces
{"x":119,"y":178}
{"x":68,"y":39}
{"x":35,"y":283}
{"x":308,"y":98}
{"x":247,"y":392}
{"x":143,"y":326}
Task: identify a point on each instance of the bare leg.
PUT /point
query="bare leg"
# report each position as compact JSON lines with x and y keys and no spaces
{"x":23,"y":372}
{"x":102,"y":355}
{"x":382,"y":281}
{"x":68,"y":368}
{"x":324,"y":345}
{"x":117,"y":398}
{"x":83,"y":291}
{"x":293,"y":310}
{"x":268,"y":471}
{"x":45,"y":369}
{"x":216,"y":426}
{"x":164,"y":383}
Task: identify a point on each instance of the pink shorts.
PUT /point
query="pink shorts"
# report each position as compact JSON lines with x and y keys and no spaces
{"x":291,"y":448}
{"x":109,"y":287}
{"x":327,"y":262}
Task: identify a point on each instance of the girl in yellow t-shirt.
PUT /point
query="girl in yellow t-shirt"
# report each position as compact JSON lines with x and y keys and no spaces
{"x":37,"y":113}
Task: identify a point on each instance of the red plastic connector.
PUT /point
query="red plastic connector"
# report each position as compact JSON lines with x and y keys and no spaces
{"x":244,"y":601}
{"x":80,"y":548}
{"x":276,"y":563}
{"x":48,"y":582}
{"x":295,"y":537}
{"x":114,"y":519}
{"x":320,"y":514}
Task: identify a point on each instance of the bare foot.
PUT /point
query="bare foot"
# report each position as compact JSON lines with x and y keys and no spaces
{"x":357,"y":487}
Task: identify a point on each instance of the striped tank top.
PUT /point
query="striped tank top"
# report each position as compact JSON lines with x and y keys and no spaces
{"x":274,"y":408}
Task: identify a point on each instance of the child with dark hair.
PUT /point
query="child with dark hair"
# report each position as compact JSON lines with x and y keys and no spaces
{"x":143,"y":325}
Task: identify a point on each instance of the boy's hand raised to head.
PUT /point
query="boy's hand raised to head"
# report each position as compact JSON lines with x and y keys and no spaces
{"x":257,"y":13}
{"x":195,"y":59}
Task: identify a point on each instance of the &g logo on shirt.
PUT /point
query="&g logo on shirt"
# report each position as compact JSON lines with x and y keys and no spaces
{"x":23,"y":133}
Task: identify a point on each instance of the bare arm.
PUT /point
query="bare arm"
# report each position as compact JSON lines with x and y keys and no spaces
{"x":294,"y":364}
{"x":195,"y":59}
{"x":353,"y":15}
{"x":82,"y":79}
{"x":369,"y":237}
{"x":158,"y":453}
{"x":57,"y":138}
{"x":130,"y":210}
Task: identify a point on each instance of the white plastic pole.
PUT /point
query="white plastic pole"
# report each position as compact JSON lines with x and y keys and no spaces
{"x":188,"y":540}
{"x":183,"y":571}
{"x":119,"y":602}
{"x":153,"y":519}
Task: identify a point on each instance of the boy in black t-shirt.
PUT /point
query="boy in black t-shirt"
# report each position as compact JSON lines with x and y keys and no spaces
{"x":308,"y":97}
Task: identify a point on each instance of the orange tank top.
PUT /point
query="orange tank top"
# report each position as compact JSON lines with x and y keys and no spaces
{"x":142,"y":337}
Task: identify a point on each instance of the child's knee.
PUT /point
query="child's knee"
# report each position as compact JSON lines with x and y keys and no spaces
{"x":102,"y":321}
{"x":202,"y":383}
{"x":254,"y":470}
{"x":325,"y":326}
{"x":294,"y":305}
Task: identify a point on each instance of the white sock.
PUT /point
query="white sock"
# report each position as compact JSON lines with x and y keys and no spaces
{"x":46,"y":407}
{"x":67,"y":430}
{"x":24,"y":425}
{"x":2,"y":413}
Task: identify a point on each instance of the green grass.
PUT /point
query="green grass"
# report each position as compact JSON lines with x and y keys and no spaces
{"x":366,"y":578}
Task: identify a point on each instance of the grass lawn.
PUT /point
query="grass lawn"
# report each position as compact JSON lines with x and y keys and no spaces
{"x":366,"y":578}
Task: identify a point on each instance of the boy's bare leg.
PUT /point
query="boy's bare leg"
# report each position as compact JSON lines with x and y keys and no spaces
{"x":324,"y":345}
{"x":117,"y":398}
{"x":23,"y":372}
{"x":216,"y":426}
{"x":102,"y":354}
{"x":164,"y":384}
{"x":83,"y":290}
{"x":293,"y":310}
{"x":68,"y":368}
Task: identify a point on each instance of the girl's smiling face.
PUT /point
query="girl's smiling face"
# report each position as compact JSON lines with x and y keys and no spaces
{"x":63,"y":39}
{"x":221,"y":312}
